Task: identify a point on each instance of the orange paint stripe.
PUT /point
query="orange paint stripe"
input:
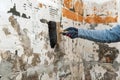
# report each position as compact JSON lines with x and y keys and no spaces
{"x":94,"y":19}
{"x":71,"y":15}
{"x":89,"y":19}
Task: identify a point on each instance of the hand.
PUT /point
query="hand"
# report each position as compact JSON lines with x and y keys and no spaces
{"x":71,"y":32}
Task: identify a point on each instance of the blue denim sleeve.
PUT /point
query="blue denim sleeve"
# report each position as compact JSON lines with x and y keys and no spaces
{"x":104,"y":36}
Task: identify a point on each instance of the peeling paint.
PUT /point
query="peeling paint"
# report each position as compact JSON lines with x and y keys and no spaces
{"x":30,"y":57}
{"x":107,"y":53}
{"x":81,"y":8}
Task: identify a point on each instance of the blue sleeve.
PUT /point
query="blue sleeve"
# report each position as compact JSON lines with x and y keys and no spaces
{"x":105,"y":36}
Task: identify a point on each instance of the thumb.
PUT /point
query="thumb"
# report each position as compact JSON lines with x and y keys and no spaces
{"x":69,"y":29}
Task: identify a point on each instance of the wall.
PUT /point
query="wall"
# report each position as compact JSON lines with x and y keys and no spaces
{"x":25,"y":52}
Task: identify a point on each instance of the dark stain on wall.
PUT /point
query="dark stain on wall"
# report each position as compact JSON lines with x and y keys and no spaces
{"x":24,"y":5}
{"x":110,"y":76}
{"x":59,"y":55}
{"x":92,"y":26}
{"x":87,"y":75}
{"x":36,"y":59}
{"x":108,"y":55}
{"x":106,"y":52}
{"x":31,"y":77}
{"x":50,"y":55}
{"x":16,"y":13}
{"x":24,"y":16}
{"x":87,"y":68}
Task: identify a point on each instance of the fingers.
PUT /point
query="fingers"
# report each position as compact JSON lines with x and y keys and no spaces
{"x":71,"y":32}
{"x":69,"y":29}
{"x":69,"y":35}
{"x":63,"y":33}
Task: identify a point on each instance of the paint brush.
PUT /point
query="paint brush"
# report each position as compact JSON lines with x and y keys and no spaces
{"x":54,"y":32}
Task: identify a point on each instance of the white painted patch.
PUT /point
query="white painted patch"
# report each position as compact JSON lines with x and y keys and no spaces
{"x":19,"y":76}
{"x":5,"y":5}
{"x":97,"y":72}
{"x":118,"y":72}
{"x":48,"y":2}
{"x":25,"y":58}
{"x":97,"y":1}
{"x":118,"y":58}
{"x":30,"y":59}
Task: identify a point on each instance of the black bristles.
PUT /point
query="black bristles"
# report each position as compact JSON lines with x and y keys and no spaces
{"x":52,"y":33}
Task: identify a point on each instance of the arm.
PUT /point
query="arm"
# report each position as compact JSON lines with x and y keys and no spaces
{"x":107,"y":35}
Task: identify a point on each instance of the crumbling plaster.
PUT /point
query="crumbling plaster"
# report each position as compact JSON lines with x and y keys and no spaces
{"x":25,"y":52}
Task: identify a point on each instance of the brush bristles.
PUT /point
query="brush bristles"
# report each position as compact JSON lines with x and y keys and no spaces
{"x":52,"y":33}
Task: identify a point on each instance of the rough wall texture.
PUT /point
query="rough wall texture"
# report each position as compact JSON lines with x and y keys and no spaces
{"x":25,"y":52}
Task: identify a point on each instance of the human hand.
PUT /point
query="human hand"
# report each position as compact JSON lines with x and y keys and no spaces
{"x":71,"y":32}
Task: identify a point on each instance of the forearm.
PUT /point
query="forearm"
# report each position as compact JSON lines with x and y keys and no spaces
{"x":105,"y":36}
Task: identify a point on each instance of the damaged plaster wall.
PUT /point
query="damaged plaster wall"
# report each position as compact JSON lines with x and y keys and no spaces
{"x":25,"y":52}
{"x":100,"y":61}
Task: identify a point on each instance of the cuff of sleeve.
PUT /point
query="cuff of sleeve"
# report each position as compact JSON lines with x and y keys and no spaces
{"x":80,"y":33}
